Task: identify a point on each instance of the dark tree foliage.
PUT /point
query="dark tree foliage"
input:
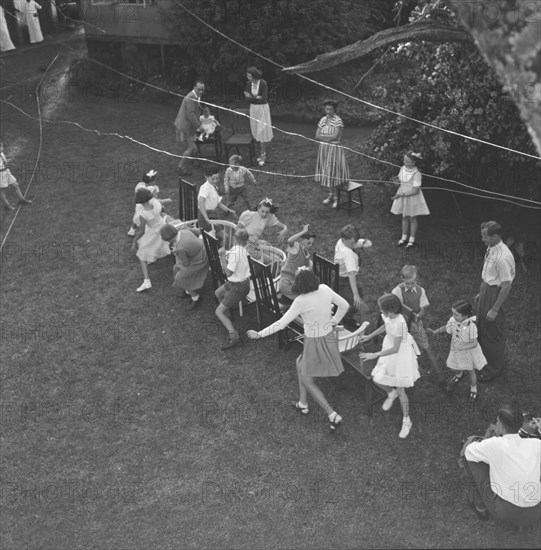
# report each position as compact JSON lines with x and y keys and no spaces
{"x":286,"y":31}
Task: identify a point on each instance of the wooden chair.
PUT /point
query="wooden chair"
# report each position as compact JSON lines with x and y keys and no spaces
{"x":354,"y":196}
{"x":241,"y":134}
{"x":212,"y":246}
{"x":326,"y":271}
{"x":187,"y":200}
{"x":268,"y":306}
{"x":350,"y":340}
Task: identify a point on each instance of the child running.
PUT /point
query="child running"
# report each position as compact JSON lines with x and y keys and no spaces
{"x":396,"y":368}
{"x":466,"y":353}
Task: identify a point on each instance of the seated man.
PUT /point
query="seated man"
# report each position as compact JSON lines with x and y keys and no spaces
{"x":504,"y":473}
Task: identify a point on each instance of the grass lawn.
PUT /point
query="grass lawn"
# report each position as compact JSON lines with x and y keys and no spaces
{"x":125,"y":426}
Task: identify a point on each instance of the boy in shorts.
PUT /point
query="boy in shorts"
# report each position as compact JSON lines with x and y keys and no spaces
{"x":237,"y":286}
{"x":414,"y":296}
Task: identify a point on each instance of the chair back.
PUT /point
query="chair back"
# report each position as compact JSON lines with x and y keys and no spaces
{"x":212,"y":246}
{"x":265,"y":291}
{"x":349,"y":340}
{"x":225,"y":230}
{"x":187,"y":200}
{"x":240,"y":122}
{"x":326,"y":271}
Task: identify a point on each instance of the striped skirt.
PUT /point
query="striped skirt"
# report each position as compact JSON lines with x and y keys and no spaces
{"x":331,"y":167}
{"x":260,"y":122}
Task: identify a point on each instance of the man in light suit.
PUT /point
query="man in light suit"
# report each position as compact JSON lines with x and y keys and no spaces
{"x":186,"y":124}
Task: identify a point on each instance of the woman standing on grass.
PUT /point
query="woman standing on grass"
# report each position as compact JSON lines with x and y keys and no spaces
{"x":256,"y":93}
{"x":331,"y":167}
{"x":320,"y":356}
{"x":151,"y":246}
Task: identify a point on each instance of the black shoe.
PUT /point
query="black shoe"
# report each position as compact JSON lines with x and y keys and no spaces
{"x":485,"y":376}
{"x":401,"y":242}
{"x":481,"y":513}
{"x":193,"y":305}
{"x":233,"y":343}
{"x":411,"y":245}
{"x":185,"y":295}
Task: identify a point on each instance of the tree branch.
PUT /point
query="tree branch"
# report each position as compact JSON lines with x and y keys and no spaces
{"x":431,"y":32}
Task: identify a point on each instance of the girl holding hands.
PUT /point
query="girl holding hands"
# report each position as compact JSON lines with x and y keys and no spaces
{"x":396,"y":368}
{"x":466,"y":353}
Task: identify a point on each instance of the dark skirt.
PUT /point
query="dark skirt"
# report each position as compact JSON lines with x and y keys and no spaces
{"x":320,"y":356}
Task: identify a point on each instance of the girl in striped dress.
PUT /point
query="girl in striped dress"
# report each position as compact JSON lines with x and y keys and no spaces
{"x":331,"y":168}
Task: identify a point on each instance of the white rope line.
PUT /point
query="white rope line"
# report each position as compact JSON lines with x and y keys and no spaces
{"x":294,"y":134}
{"x":285,"y":175}
{"x":38,"y":156}
{"x":374,"y":106}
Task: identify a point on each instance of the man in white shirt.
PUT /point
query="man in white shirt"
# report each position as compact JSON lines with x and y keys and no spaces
{"x":497,"y":277}
{"x":346,"y":257}
{"x":237,"y":286}
{"x":505,"y":474}
{"x":209,"y":201}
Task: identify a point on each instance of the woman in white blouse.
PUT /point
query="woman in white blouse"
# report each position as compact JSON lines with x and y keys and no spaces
{"x":320,"y":356}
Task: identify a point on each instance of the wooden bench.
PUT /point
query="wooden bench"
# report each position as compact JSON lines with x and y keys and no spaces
{"x":372,"y":393}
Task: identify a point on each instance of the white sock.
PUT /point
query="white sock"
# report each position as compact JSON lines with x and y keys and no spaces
{"x":473,"y":388}
{"x":195,"y":299}
{"x":302,"y":405}
{"x":406,"y":419}
{"x":404,"y":238}
{"x":412,"y":239}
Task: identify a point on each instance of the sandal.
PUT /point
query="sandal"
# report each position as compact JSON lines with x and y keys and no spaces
{"x":301,"y":409}
{"x":456,"y":379}
{"x":411,"y":245}
{"x":335,"y":423}
{"x":401,"y":242}
{"x":473,"y":395}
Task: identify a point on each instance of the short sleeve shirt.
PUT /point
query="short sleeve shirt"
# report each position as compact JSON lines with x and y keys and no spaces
{"x":211,"y":196}
{"x":237,"y":262}
{"x":499,"y":265}
{"x":255,"y":225}
{"x":346,"y":258}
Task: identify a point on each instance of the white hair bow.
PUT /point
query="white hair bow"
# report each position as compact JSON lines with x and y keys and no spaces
{"x":151,"y":173}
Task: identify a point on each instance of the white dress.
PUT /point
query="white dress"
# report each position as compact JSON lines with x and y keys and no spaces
{"x":6,"y":44}
{"x":400,"y":369}
{"x":151,"y":245}
{"x":464,"y":333}
{"x":154,"y":189}
{"x":30,"y":10}
{"x":411,"y":205}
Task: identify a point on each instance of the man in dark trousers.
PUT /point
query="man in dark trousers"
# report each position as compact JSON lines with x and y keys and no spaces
{"x":497,"y":276}
{"x":186,"y":125}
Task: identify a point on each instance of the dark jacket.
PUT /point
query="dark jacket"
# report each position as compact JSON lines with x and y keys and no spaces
{"x":263,"y":92}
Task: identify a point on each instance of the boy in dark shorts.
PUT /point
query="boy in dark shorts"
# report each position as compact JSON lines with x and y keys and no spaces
{"x":237,"y":286}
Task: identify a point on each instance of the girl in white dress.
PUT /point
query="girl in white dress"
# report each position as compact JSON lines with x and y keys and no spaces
{"x":466,"y":353}
{"x":148,"y":238}
{"x":396,"y":368}
{"x":31,"y":19}
{"x":409,"y":201}
{"x":6,"y":44}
